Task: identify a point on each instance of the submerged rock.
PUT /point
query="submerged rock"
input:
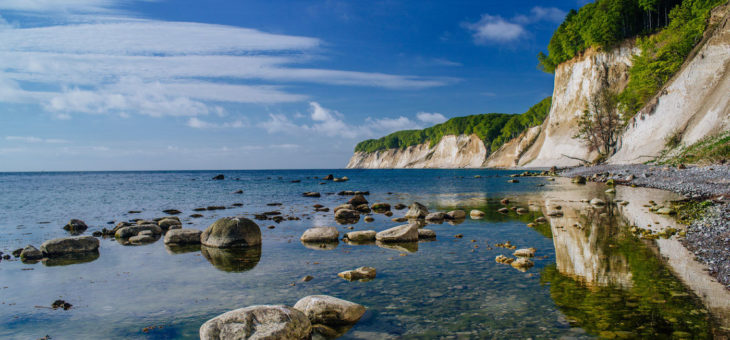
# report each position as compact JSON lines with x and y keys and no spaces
{"x":522,"y":263}
{"x":380,"y":207}
{"x":330,"y":311}
{"x":320,"y":234}
{"x":219,"y":177}
{"x":426,"y":234}
{"x":362,"y":273}
{"x":416,"y":210}
{"x":403,"y":233}
{"x":231,"y":232}
{"x":183,"y":236}
{"x":311,"y":194}
{"x":578,"y":180}
{"x":69,"y":245}
{"x":172,"y":211}
{"x":347,"y":216}
{"x":399,"y":206}
{"x":75,"y":226}
{"x":258,"y":322}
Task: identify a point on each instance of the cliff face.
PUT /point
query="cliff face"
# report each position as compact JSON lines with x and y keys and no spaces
{"x":576,"y":81}
{"x":693,"y":105}
{"x":451,"y":152}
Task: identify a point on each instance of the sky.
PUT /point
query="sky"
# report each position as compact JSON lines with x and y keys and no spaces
{"x":234,"y":84}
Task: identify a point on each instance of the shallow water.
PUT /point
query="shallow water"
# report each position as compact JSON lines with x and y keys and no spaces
{"x":596,"y":280}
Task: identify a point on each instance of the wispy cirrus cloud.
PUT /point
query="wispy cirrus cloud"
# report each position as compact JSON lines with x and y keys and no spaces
{"x":33,"y":139}
{"x":118,"y":64}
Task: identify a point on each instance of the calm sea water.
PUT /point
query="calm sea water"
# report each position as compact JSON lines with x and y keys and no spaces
{"x":448,"y":287}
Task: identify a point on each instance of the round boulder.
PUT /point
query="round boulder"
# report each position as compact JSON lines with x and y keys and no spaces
{"x":231,"y":232}
{"x":258,"y":322}
{"x":358,"y":200}
{"x":75,"y":226}
{"x":456,"y":214}
{"x":328,"y":310}
{"x":361,"y":236}
{"x":30,"y":253}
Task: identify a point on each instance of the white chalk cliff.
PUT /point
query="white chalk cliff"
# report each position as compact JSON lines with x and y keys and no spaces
{"x":695,"y":103}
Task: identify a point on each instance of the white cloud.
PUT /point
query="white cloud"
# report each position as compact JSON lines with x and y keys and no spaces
{"x":494,"y":29}
{"x":158,"y":68}
{"x":32,"y":139}
{"x":194,"y":122}
{"x":279,"y":123}
{"x":330,"y":122}
{"x":432,"y":118}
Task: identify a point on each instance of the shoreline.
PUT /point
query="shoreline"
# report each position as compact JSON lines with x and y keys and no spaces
{"x":708,"y":237}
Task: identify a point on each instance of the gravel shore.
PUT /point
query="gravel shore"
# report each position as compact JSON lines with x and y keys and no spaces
{"x":709,"y":237}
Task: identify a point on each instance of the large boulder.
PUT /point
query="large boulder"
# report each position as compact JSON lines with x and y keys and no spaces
{"x":361,"y":236}
{"x":358,"y":200}
{"x":75,"y":226}
{"x":320,"y":234}
{"x":183,"y":236}
{"x":416,"y":210}
{"x":70,"y":245}
{"x":258,"y":322}
{"x":127,"y":232}
{"x":330,"y":311}
{"x":403,"y":233}
{"x":231,"y":232}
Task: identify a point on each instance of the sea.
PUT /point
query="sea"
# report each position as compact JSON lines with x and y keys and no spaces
{"x":592,"y":277}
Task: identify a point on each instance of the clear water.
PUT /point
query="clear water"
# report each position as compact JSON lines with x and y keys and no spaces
{"x":448,"y":287}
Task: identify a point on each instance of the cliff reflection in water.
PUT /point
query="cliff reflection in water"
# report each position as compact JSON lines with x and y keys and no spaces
{"x":611,"y":284}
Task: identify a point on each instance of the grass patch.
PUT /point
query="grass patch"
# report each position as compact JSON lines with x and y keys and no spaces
{"x":710,"y":150}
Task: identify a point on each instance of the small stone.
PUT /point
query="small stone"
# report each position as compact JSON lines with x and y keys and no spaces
{"x":359,"y":274}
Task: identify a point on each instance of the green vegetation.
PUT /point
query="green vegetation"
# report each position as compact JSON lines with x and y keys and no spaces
{"x":663,"y":54}
{"x":678,"y":24}
{"x":493,"y":128}
{"x":600,"y":124}
{"x":690,"y":211}
{"x":710,"y":150}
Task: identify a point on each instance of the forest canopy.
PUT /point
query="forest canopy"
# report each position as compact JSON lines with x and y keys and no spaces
{"x":493,"y":128}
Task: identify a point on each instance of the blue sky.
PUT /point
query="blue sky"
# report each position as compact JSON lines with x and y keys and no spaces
{"x":224,"y":84}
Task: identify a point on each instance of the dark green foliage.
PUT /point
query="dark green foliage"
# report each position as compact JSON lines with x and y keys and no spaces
{"x":709,"y":150}
{"x":604,"y":23}
{"x":663,"y":54}
{"x":519,"y":123}
{"x":493,"y":128}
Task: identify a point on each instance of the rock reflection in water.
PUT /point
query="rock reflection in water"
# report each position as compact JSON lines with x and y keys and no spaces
{"x":232,"y":260}
{"x":403,"y":247}
{"x":321,"y":245}
{"x":71,"y":259}
{"x":182,"y":249}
